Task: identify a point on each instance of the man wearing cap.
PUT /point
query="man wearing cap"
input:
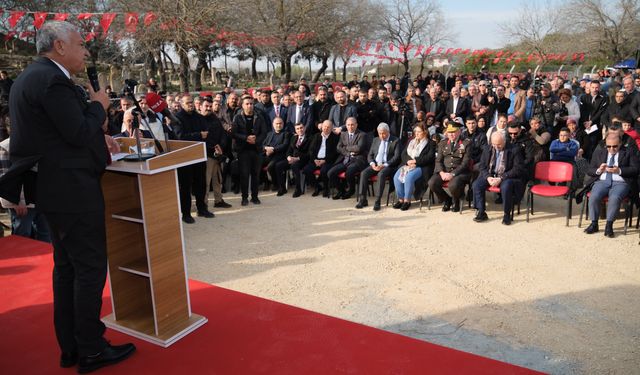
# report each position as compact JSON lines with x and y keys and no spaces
{"x":452,"y":166}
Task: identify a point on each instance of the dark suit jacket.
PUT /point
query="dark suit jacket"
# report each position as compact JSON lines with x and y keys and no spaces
{"x":332,"y":147}
{"x":301,"y":151}
{"x":440,"y":108}
{"x":394,"y":149}
{"x":279,"y":142}
{"x":240,"y":131}
{"x":191,"y":125}
{"x":593,"y":111}
{"x":54,"y":126}
{"x":357,"y":145}
{"x":513,"y":166}
{"x":627,"y":162}
{"x":306,"y":117}
{"x":462,"y":109}
{"x":272,"y":113}
{"x":334,"y":115}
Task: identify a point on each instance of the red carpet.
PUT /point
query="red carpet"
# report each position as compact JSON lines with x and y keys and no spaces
{"x":244,"y":335}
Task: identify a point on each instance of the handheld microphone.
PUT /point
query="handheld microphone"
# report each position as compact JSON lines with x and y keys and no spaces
{"x":92,"y":74}
{"x":158,"y":105}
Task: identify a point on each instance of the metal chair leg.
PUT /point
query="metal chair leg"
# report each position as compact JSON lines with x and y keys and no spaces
{"x":529,"y":201}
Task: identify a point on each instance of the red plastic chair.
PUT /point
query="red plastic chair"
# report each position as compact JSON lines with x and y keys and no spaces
{"x":552,"y":171}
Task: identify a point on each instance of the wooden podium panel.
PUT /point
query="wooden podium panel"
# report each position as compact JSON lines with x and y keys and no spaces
{"x":145,"y":246}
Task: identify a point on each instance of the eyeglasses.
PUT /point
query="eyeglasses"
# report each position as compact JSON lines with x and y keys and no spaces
{"x":612,"y":146}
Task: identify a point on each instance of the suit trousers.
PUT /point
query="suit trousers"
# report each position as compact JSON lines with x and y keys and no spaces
{"x":323,"y":178}
{"x":616,"y":192}
{"x":351,"y":171}
{"x":250,"y":163}
{"x":192,"y":179}
{"x":509,"y":188}
{"x":79,"y":275}
{"x":270,"y":164}
{"x":456,"y":186}
{"x":214,"y":178}
{"x":383,"y":175}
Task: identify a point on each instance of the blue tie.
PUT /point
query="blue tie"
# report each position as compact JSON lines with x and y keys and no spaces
{"x":609,"y":177}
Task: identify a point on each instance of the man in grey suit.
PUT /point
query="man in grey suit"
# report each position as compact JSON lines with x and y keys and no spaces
{"x":383,"y":157}
{"x":341,"y":111}
{"x":352,"y":160}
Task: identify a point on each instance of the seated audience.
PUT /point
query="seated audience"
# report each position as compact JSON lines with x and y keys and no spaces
{"x":352,"y":160}
{"x":323,"y":153}
{"x":564,"y":148}
{"x":418,"y":154}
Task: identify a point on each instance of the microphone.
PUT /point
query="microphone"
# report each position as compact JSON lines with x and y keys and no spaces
{"x":158,"y":105}
{"x":92,"y":74}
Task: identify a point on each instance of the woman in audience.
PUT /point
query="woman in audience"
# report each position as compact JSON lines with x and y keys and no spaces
{"x":417,"y":161}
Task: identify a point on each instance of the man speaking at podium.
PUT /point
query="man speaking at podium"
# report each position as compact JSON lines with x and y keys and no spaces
{"x":57,"y":129}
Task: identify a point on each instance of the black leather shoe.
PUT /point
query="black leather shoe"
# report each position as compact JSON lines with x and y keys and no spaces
{"x":592,"y":228}
{"x":222,"y":204}
{"x":245,"y":202}
{"x":446,"y":206}
{"x":255,"y":200}
{"x":405,"y":206}
{"x":111,"y":355}
{"x":325,"y":194}
{"x":188,"y":219}
{"x":480,"y":217}
{"x":397,"y":205}
{"x":363,"y":203}
{"x":316,"y":192}
{"x":506,"y":220}
{"x":498,"y":199}
{"x":206,"y":213}
{"x":281,"y":193}
{"x":456,"y":206}
{"x":337,"y":196}
{"x":376,"y":206}
{"x":68,"y":359}
{"x":297,"y":193}
{"x":348,"y":195}
{"x":608,"y":229}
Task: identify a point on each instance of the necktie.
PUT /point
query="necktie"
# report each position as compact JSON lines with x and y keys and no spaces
{"x":609,"y":176}
{"x":277,"y":111}
{"x":299,"y":142}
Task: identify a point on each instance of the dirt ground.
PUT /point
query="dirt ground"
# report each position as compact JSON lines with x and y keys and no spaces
{"x":537,"y":294}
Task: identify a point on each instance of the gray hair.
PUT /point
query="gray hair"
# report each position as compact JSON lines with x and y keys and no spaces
{"x":52,"y":31}
{"x":383,"y":126}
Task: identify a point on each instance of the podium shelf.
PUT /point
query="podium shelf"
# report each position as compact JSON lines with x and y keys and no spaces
{"x":140,"y":322}
{"x":133,"y":215}
{"x":138,"y":267}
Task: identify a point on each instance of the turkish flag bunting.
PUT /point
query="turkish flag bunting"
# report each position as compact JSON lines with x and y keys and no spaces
{"x":131,"y":21}
{"x":367,"y":46}
{"x":439,"y":51}
{"x":90,"y":36}
{"x":85,"y":16}
{"x":419,"y":50}
{"x":60,"y":16}
{"x":15,"y":16}
{"x":428,"y":50}
{"x":106,"y":21}
{"x":38,"y":19}
{"x":149,"y":18}
{"x":378,"y":47}
{"x":10,"y":35}
{"x":574,"y":57}
{"x":391,"y":47}
{"x":582,"y":57}
{"x":496,"y":60}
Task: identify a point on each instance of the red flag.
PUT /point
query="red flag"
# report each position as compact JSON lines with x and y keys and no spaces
{"x":26,"y":34}
{"x":466,"y":51}
{"x":131,"y":21}
{"x":90,"y":36}
{"x":486,"y":60}
{"x":391,"y":47}
{"x":60,"y":16}
{"x":507,"y":60}
{"x":439,"y":51}
{"x":106,"y":21}
{"x":574,"y":57}
{"x":15,"y":16}
{"x":418,"y":51}
{"x":582,"y":56}
{"x":378,"y":47}
{"x":367,"y":46}
{"x":456,"y":51}
{"x":85,"y":16}
{"x":38,"y":19}
{"x":449,"y":50}
{"x":496,"y":60}
{"x":499,"y":54}
{"x":149,"y":18}
{"x":10,"y":35}
{"x":428,"y":50}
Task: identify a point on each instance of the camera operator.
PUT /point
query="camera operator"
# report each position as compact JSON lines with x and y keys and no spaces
{"x":569,"y":108}
{"x":546,"y":108}
{"x":400,"y":109}
{"x":498,"y":103}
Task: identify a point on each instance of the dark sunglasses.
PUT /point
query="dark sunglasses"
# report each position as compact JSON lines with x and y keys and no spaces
{"x":613,"y":146}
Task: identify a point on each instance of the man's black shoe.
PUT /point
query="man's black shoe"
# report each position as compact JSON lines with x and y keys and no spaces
{"x":221,"y":204}
{"x":592,"y":228}
{"x":376,"y":206}
{"x":245,"y":202}
{"x":110,"y":355}
{"x":206,"y":214}
{"x":506,"y":220}
{"x":255,"y":200}
{"x":498,"y":199}
{"x":405,"y":206}
{"x":281,"y":193}
{"x":337,"y":196}
{"x":325,"y":194}
{"x":297,"y":193}
{"x":316,"y":192}
{"x":446,"y":206}
{"x":608,"y":229}
{"x":480,"y":217}
{"x":188,"y":219}
{"x":397,"y":205}
{"x":348,"y":195}
{"x":363,"y":203}
{"x":456,"y":206}
{"x":68,"y":359}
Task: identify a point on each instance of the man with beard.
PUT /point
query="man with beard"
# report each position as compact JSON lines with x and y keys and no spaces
{"x":216,"y":142}
{"x":400,"y":118}
{"x":341,"y":111}
{"x":320,"y":108}
{"x":368,"y":117}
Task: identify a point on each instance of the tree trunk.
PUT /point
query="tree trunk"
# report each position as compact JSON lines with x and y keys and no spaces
{"x":422,"y":61}
{"x":254,"y":61}
{"x":333,"y":67}
{"x":200,"y":68}
{"x":405,"y":62}
{"x":287,"y":67}
{"x":184,"y":70}
{"x":323,"y":68}
{"x":268,"y":72}
{"x":310,"y":70}
{"x":345,"y":62}
{"x":283,"y":69}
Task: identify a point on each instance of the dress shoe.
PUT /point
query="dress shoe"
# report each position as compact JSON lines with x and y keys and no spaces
{"x":363,"y":203}
{"x":297,"y":193}
{"x":110,"y":355}
{"x":348,"y":195}
{"x":592,"y":228}
{"x":188,"y":219}
{"x":405,"y":206}
{"x":446,"y":206}
{"x":68,"y":359}
{"x":397,"y":205}
{"x":498,"y":199}
{"x":337,"y":196}
{"x":316,"y":192}
{"x":608,"y":229}
{"x":255,"y":200}
{"x":376,"y":206}
{"x":506,"y":219}
{"x":245,"y":202}
{"x":221,"y":204}
{"x":480,"y":217}
{"x":206,"y":214}
{"x":281,"y":193}
{"x":456,"y":206}
{"x":325,"y":194}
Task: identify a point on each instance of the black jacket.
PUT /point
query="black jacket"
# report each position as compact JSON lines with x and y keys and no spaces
{"x":513,"y":163}
{"x":331,"y":145}
{"x":241,"y":130}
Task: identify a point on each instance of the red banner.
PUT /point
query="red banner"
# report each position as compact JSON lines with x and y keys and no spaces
{"x":14,"y":17}
{"x":85,"y":16}
{"x":38,"y":19}
{"x":149,"y":18}
{"x":130,"y":22}
{"x":106,"y":21}
{"x":60,"y":16}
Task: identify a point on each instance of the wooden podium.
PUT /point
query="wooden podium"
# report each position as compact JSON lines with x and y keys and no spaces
{"x":145,"y":245}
